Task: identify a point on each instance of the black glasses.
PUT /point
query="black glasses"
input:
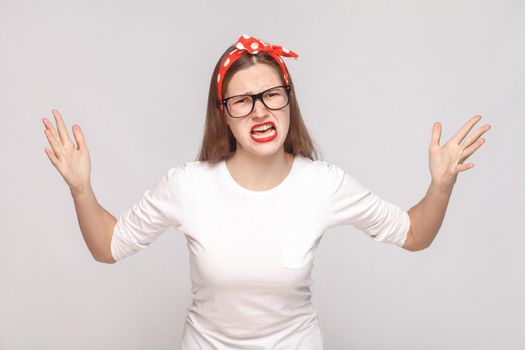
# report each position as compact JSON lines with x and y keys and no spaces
{"x":274,"y":98}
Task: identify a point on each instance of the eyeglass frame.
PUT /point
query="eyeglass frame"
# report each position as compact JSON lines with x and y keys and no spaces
{"x":256,"y":97}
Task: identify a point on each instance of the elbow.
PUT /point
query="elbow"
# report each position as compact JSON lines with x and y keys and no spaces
{"x":412,"y":249}
{"x":418,"y":248}
{"x":106,"y":255}
{"x":105,"y":260}
{"x":415,"y":249}
{"x":412,"y":244}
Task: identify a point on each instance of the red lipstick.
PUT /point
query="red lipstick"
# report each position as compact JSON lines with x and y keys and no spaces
{"x":266,"y":136}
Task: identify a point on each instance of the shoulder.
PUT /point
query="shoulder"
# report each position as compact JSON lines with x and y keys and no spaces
{"x":192,"y":172}
{"x":321,"y":168}
{"x":321,"y":175}
{"x":190,"y":168}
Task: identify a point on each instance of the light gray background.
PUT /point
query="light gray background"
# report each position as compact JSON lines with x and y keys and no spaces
{"x":371,"y":79}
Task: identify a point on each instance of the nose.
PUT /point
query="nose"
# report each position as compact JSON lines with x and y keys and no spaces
{"x":259,"y":109}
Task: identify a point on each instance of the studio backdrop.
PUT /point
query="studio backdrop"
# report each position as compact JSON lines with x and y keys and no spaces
{"x":371,"y":79}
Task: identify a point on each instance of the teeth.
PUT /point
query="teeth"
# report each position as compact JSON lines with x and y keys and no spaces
{"x":267,"y":133}
{"x":262,"y":127}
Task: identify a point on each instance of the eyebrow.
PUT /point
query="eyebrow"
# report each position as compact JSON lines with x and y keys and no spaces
{"x":252,"y":93}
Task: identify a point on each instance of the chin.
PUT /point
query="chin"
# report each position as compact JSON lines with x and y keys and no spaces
{"x":266,"y":150}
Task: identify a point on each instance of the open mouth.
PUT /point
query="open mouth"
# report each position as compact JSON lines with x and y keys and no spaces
{"x":263,"y":129}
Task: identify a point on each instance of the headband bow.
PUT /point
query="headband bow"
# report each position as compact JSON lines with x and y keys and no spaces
{"x":249,"y":45}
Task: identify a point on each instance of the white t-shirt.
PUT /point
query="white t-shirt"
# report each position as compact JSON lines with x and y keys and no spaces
{"x":251,"y":252}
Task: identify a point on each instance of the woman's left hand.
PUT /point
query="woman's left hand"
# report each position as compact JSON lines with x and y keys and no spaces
{"x":446,"y":161}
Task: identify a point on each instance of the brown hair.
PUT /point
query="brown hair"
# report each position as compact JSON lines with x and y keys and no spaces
{"x":219,"y":143}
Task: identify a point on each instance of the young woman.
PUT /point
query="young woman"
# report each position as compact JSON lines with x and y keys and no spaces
{"x":254,"y":206}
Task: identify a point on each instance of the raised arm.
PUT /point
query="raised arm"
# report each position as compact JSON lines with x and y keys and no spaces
{"x":74,"y":164}
{"x":445,"y":163}
{"x":96,"y":224}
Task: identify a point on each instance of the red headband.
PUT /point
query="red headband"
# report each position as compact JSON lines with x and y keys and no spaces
{"x":249,"y":45}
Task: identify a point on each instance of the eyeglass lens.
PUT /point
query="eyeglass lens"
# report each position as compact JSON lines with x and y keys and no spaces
{"x":240,"y":106}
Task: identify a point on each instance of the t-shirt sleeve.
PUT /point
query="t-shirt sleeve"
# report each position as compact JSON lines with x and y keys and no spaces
{"x":159,"y":208}
{"x":350,"y":203}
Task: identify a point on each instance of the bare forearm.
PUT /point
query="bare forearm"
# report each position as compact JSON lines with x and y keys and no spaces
{"x":427,"y":216}
{"x":96,"y":224}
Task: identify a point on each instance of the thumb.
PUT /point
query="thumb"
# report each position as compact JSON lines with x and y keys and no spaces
{"x":79,"y":137}
{"x":436,"y":134}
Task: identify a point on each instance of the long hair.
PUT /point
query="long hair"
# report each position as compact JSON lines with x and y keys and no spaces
{"x":218,"y":142}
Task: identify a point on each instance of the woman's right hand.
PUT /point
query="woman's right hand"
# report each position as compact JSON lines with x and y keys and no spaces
{"x":72,"y":161}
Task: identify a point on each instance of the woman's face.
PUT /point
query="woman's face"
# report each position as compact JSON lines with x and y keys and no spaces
{"x":252,"y":80}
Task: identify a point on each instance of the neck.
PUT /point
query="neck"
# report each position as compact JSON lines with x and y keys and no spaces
{"x":259,"y":173}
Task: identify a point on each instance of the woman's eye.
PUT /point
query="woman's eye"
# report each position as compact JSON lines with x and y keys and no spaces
{"x":241,"y":101}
